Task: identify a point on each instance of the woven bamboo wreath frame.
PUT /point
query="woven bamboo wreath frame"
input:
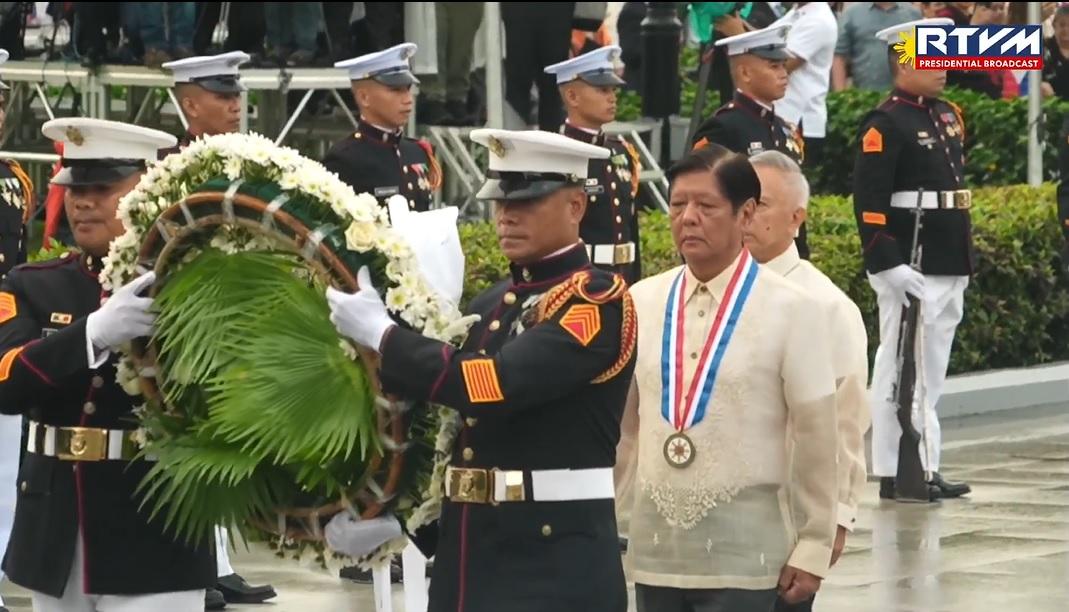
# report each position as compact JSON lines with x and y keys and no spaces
{"x":205,"y":212}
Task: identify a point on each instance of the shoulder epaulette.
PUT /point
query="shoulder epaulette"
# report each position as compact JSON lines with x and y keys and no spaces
{"x":887,"y":103}
{"x":726,"y":107}
{"x":66,"y":258}
{"x":579,"y":285}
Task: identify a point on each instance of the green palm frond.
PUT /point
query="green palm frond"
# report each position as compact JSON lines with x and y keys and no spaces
{"x":196,"y":485}
{"x":250,"y":358}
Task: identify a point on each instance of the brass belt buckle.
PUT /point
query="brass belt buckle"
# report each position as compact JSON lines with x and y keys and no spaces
{"x":963,"y":199}
{"x":468,"y":485}
{"x":81,"y":443}
{"x":622,"y":254}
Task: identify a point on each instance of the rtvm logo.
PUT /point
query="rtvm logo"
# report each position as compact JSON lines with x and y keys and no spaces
{"x":973,"y":48}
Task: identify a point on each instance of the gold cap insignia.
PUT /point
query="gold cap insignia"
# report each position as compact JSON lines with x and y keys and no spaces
{"x":74,"y":136}
{"x":496,"y":146}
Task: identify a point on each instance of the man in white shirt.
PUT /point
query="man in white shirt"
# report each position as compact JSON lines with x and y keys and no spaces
{"x":811,"y":43}
{"x":730,"y":425}
{"x":770,"y":237}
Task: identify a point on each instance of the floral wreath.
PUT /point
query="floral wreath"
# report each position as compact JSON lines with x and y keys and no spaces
{"x":362,"y":230}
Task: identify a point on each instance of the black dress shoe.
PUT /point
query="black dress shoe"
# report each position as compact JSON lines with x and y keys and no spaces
{"x":949,"y":490}
{"x":623,"y":544}
{"x":214,"y":600}
{"x":237,"y":591}
{"x":887,"y":489}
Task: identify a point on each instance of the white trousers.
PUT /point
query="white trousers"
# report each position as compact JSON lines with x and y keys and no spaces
{"x":222,"y":552}
{"x":10,"y":448}
{"x":941,"y":311}
{"x":75,"y":600}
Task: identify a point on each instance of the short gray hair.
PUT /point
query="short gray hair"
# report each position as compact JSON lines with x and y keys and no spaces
{"x":790,"y":170}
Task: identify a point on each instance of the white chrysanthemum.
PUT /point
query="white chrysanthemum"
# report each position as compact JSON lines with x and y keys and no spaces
{"x":232,"y":168}
{"x":397,"y":299}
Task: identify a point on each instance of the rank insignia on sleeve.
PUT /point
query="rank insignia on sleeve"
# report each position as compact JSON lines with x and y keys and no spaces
{"x":6,"y":361}
{"x":61,"y":318}
{"x":8,"y":309}
{"x":480,"y":379}
{"x":872,"y":218}
{"x":872,"y":141}
{"x":583,"y":322}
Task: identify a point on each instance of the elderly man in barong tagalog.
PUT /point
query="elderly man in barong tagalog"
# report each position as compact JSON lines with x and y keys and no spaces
{"x":770,"y":238}
{"x":730,"y":424}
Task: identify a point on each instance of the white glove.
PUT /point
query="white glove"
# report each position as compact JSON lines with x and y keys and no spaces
{"x":433,"y":237}
{"x":358,"y":538}
{"x":904,"y":280}
{"x":124,"y":316}
{"x":362,"y":315}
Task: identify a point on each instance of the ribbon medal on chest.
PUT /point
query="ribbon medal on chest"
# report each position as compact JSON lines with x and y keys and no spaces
{"x":684,"y":408}
{"x":951,"y":123}
{"x":621,"y":167}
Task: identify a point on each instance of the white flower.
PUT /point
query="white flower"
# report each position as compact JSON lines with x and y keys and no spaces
{"x":140,"y":437}
{"x":360,"y":237}
{"x":397,"y":298}
{"x":232,"y":168}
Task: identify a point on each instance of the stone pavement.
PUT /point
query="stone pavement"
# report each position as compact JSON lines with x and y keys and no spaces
{"x":1005,"y":548}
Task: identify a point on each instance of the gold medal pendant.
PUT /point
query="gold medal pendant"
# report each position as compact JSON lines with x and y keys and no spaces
{"x":678,"y":450}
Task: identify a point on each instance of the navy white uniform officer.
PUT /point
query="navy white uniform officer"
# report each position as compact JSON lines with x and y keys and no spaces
{"x":528,"y":523}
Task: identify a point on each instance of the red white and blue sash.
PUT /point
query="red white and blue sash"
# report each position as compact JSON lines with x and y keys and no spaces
{"x":685,"y":410}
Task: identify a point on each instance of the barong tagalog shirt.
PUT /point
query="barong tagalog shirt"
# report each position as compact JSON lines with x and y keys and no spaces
{"x":851,"y":363}
{"x":735,"y":472}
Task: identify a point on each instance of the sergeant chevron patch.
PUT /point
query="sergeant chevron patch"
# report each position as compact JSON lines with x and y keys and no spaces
{"x":583,"y":322}
{"x":872,"y":141}
{"x":8,"y":309}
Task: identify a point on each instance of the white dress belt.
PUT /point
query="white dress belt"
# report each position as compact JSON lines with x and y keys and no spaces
{"x":611,"y":254}
{"x":933,"y":200}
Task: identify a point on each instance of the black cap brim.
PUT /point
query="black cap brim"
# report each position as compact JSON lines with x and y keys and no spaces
{"x":221,"y":84}
{"x":94,"y":175}
{"x":775,"y":54}
{"x":602,"y":78}
{"x":503,"y":189}
{"x":396,"y":79}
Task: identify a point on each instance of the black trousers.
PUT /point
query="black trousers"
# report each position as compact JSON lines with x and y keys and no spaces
{"x":537,"y":34}
{"x":814,"y":151}
{"x":664,"y":599}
